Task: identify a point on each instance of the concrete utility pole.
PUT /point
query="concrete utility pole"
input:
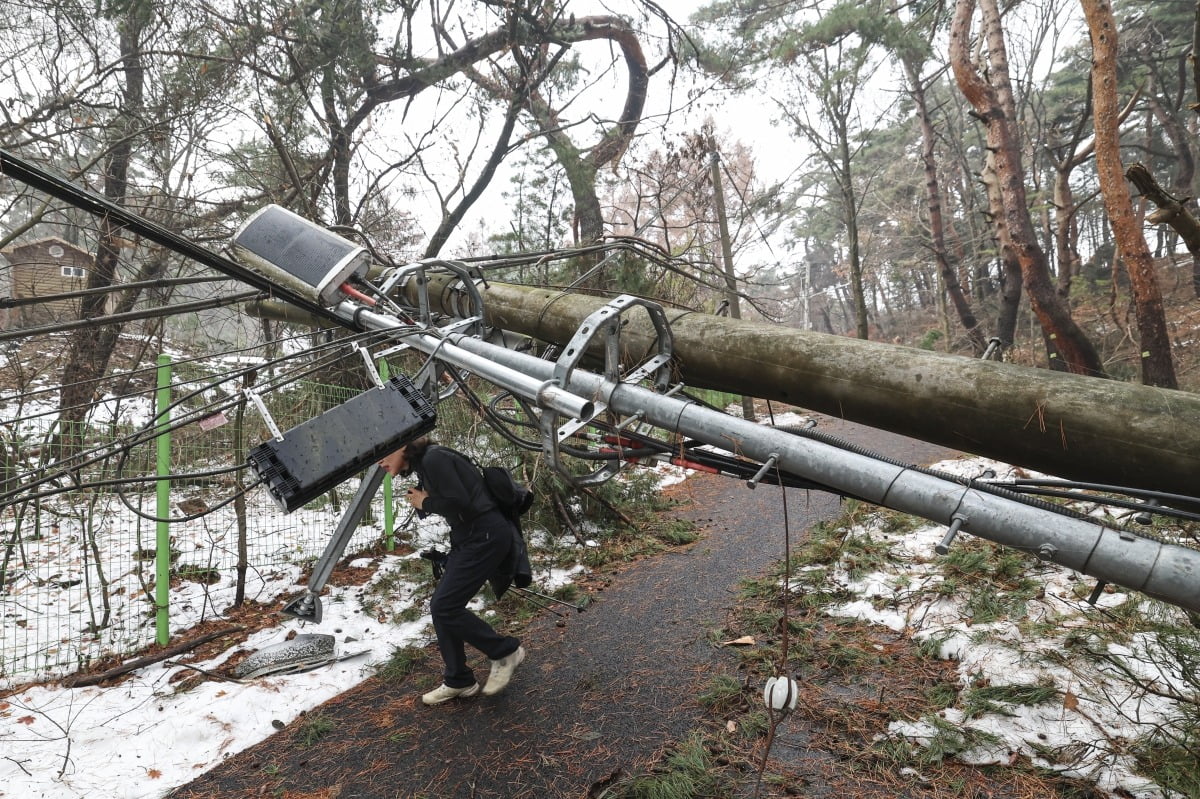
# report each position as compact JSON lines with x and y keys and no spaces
{"x":731,"y":293}
{"x":1160,"y":569}
{"x":1069,"y":426}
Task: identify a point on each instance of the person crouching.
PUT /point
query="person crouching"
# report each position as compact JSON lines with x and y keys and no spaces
{"x":449,"y":485}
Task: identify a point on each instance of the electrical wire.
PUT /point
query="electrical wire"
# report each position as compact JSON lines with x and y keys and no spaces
{"x":151,"y":368}
{"x":1113,"y":502}
{"x":149,"y":432}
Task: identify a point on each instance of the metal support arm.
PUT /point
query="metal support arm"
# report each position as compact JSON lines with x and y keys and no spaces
{"x":307,"y":606}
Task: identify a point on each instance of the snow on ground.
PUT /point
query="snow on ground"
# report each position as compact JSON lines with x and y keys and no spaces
{"x":1082,"y":733}
{"x":140,"y":739}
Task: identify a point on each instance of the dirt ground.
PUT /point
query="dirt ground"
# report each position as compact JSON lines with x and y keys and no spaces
{"x":599,"y":697}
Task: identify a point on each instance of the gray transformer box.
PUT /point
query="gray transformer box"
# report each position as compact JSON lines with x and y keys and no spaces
{"x":300,"y":255}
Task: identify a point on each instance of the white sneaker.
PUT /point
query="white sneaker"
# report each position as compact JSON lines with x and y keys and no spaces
{"x":444,"y":693}
{"x":502,"y":671}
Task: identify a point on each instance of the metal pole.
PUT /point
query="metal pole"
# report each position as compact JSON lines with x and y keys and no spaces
{"x":1066,"y":425}
{"x":1159,"y":569}
{"x":307,"y":606}
{"x":389,"y":512}
{"x":545,"y":392}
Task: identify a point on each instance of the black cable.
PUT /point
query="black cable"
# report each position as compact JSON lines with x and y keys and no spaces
{"x":131,"y":316}
{"x":154,"y":367}
{"x":209,"y":509}
{"x":1114,"y":502}
{"x":124,"y":481}
{"x":148,"y":432}
{"x":58,"y":187}
{"x":1159,"y":496}
{"x":17,"y":302}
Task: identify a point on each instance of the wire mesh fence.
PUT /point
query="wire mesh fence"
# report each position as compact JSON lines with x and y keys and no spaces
{"x":78,"y":572}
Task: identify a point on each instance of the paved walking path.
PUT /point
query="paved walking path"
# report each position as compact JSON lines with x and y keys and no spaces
{"x":596,"y":698}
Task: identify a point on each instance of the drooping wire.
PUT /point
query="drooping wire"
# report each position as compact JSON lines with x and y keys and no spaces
{"x":775,"y":716}
{"x":1154,"y":502}
{"x":122,"y":448}
{"x":148,"y":432}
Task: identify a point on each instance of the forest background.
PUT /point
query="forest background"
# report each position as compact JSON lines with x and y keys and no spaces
{"x":954,"y":176}
{"x":1009,"y":180}
{"x":938,"y":174}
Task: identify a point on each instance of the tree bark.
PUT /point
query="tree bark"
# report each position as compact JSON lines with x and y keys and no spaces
{"x":1010,"y":268}
{"x":1157,"y":366}
{"x":993,"y":102}
{"x":90,"y":350}
{"x":1170,"y":212}
{"x":937,"y":223}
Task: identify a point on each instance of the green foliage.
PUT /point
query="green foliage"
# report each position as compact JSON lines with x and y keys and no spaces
{"x":994,"y":698}
{"x":1169,"y":758}
{"x":869,"y":23}
{"x":948,"y":740}
{"x":403,"y":661}
{"x":722,"y":695}
{"x":314,"y":728}
{"x":686,"y":773}
{"x":930,"y":339}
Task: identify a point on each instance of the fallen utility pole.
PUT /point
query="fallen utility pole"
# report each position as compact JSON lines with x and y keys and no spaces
{"x":1066,"y":425}
{"x":1160,"y":569}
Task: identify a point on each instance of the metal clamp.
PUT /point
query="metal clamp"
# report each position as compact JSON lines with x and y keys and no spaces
{"x":471,"y":318}
{"x":605,"y":322}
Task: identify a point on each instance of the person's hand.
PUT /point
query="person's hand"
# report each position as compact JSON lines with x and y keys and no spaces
{"x":416,"y":496}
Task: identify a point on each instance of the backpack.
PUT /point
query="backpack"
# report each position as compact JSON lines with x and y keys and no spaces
{"x":513,"y":498}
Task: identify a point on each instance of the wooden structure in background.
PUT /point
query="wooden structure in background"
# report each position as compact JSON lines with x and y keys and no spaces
{"x":44,"y":268}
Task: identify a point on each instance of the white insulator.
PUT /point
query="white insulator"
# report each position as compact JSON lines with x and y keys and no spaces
{"x":781,"y":693}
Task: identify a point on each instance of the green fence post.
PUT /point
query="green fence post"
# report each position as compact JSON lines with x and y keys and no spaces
{"x":389,"y":515}
{"x":162,"y":559}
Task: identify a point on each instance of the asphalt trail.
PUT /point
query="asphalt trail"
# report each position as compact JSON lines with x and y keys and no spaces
{"x":599,"y":697}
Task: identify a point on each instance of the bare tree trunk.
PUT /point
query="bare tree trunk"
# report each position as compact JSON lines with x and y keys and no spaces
{"x":1155,"y":345}
{"x":91,"y":349}
{"x":1010,"y":269}
{"x":993,"y":102}
{"x":581,"y":169}
{"x":949,"y":276}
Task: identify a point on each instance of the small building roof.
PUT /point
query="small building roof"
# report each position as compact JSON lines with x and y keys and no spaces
{"x":13,"y":249}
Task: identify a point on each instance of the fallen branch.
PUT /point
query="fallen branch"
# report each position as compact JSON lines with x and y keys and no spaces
{"x":80,"y":681}
{"x":1172,"y":212}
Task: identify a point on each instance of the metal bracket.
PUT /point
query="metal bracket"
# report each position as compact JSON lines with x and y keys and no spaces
{"x":307,"y":606}
{"x":266,"y":415}
{"x":372,"y":371}
{"x":605,"y":322}
{"x":772,"y":459}
{"x":956,"y":523}
{"x":470,"y":322}
{"x":470,"y":319}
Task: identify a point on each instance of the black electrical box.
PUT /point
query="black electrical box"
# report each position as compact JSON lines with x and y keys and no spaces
{"x":321,"y":453}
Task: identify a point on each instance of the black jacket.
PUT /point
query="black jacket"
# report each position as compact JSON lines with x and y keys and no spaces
{"x":457,"y":492}
{"x":455,"y":487}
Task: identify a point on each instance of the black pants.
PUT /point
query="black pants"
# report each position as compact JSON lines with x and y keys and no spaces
{"x":474,"y":557}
